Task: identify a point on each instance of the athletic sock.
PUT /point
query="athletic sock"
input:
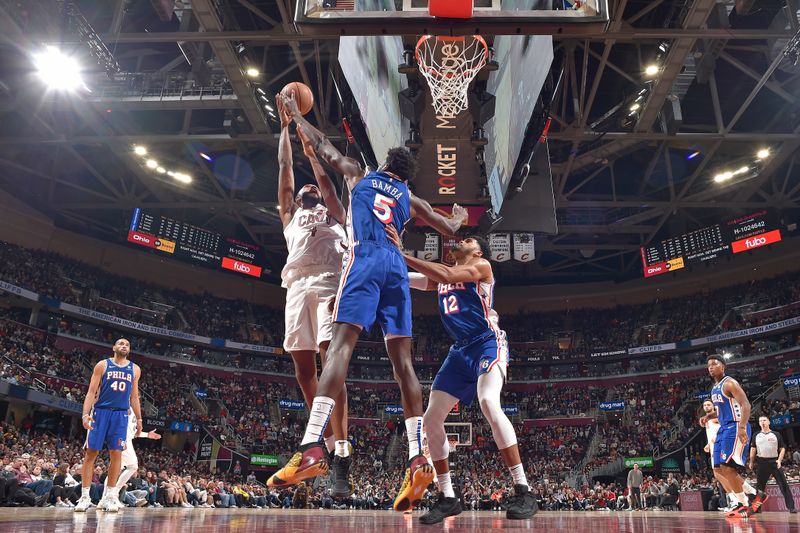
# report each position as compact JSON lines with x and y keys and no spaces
{"x":414,"y":434}
{"x":748,"y":488}
{"x":321,"y":411}
{"x":330,"y":443}
{"x":518,"y":474}
{"x":741,"y":498}
{"x":85,"y":492}
{"x":342,"y":448}
{"x":445,"y":485}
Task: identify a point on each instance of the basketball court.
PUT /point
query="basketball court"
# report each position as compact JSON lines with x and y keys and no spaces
{"x":224,"y":520}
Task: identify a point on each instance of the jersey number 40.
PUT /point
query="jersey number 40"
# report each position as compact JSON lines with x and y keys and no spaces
{"x":119,"y":386}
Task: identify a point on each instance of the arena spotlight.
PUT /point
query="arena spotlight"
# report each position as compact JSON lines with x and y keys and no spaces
{"x":161,"y":170}
{"x":727,"y":355}
{"x":206,"y":157}
{"x":651,"y":70}
{"x":693,"y":155}
{"x":140,"y":150}
{"x":762,"y":154}
{"x":58,"y":70}
{"x":635,"y":106}
{"x":183,"y":178}
{"x":151,"y":163}
{"x":252,"y":72}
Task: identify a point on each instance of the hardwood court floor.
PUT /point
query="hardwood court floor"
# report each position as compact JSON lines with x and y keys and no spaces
{"x":252,"y":520}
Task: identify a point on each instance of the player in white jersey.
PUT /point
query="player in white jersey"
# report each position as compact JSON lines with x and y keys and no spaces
{"x":130,"y":463}
{"x":312,"y":226}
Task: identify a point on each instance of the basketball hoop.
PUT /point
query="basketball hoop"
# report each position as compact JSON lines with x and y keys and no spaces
{"x":452,"y":443}
{"x":449,"y":64}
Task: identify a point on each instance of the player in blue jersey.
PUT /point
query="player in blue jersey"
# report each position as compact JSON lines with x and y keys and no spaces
{"x":475,"y":366}
{"x":373,"y":288}
{"x":732,"y":411}
{"x":113,"y":389}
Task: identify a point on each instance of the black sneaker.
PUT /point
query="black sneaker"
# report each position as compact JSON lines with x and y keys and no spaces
{"x":41,"y":501}
{"x":751,"y":498}
{"x":443,"y":508}
{"x":341,"y":477}
{"x":792,"y":511}
{"x":522,"y":505}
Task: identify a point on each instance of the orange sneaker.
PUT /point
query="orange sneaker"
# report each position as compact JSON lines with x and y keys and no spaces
{"x":419,"y":475}
{"x":309,"y":461}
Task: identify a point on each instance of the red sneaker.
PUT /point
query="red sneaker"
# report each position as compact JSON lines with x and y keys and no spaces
{"x":761,"y":498}
{"x":310,"y":461}
{"x":419,"y":475}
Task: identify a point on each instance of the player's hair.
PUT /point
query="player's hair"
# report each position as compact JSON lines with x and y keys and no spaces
{"x":717,"y":357}
{"x":400,"y":161}
{"x":483,"y":244}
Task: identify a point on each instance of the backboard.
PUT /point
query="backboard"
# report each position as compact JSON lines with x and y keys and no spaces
{"x":494,"y":17}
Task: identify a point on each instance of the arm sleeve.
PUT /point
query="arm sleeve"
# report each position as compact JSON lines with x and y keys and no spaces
{"x":753,"y":440}
{"x":417,"y":281}
{"x":781,"y":444}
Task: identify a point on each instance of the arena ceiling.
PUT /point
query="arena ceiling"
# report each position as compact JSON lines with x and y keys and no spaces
{"x":621,"y":180}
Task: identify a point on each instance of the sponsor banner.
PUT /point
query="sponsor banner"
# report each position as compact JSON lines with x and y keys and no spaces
{"x":766,"y":328}
{"x":475,"y":212}
{"x":511,"y":409}
{"x":42,"y":398}
{"x":393,"y":409}
{"x":500,"y":244}
{"x":618,"y":405}
{"x":296,"y":405}
{"x":670,"y":464}
{"x":662,"y":268}
{"x":653,"y":348}
{"x":757,"y":241}
{"x":792,"y":381}
{"x":181,"y":426}
{"x":692,"y":500}
{"x":264,"y":460}
{"x":780,"y":420}
{"x":550,"y":422}
{"x":608,"y":353}
{"x":431,"y":250}
{"x":241,"y":267}
{"x":523,"y":247}
{"x":19,"y":291}
{"x":154,"y":422}
{"x":643,"y":462}
{"x":220,"y":458}
{"x":448,"y":244}
{"x":703,"y":395}
{"x":253,"y":347}
{"x":776,"y":502}
{"x":155,"y":330}
{"x":201,"y":393}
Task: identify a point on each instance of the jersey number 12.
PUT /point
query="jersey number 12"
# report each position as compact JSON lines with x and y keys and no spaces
{"x":450,"y":304}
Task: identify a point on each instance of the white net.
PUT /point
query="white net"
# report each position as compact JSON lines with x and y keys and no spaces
{"x":449,"y":64}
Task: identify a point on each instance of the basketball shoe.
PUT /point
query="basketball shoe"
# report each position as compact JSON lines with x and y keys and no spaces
{"x":311,"y":460}
{"x":341,"y":482}
{"x":522,"y":504}
{"x":761,"y":498}
{"x":419,"y":475}
{"x":443,"y":508}
{"x":740,"y":511}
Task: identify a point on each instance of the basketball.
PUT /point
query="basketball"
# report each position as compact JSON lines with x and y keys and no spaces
{"x":302,"y":95}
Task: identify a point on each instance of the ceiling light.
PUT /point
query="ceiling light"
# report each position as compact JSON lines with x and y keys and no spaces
{"x":140,"y":150}
{"x":252,"y":72}
{"x":206,"y":157}
{"x":723,"y":176}
{"x":693,"y":155}
{"x":170,"y":173}
{"x":161,"y":170}
{"x":151,"y":163}
{"x":635,"y":106}
{"x":183,"y":178}
{"x":58,"y":70}
{"x":261,"y":91}
{"x":727,"y":355}
{"x":742,"y":170}
{"x":269,"y":107}
{"x":651,"y":70}
{"x":763,"y":153}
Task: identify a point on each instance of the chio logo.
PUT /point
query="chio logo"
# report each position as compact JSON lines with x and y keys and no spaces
{"x":137,"y":237}
{"x":755,"y":241}
{"x":651,"y":270}
{"x":241,"y":267}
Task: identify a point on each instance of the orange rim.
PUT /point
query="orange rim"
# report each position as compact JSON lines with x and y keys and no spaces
{"x":451,"y":38}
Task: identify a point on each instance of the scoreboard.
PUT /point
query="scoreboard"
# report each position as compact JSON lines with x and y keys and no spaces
{"x":732,"y":237}
{"x":195,"y":244}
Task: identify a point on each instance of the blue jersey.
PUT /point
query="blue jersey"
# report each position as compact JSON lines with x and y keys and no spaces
{"x":378,"y":199}
{"x":728,"y":409}
{"x":466,"y":309}
{"x":115,"y":386}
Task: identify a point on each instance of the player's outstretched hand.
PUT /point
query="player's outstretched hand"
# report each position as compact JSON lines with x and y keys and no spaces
{"x":460,"y":213}
{"x":289,"y":104}
{"x":393,"y":236}
{"x":307,"y":148}
{"x":286,"y":118}
{"x":87,"y":422}
{"x":153,"y":434}
{"x":707,"y":448}
{"x":702,"y":421}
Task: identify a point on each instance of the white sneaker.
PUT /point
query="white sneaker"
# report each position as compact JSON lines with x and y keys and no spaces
{"x":186,"y":505}
{"x":62,"y":504}
{"x":112,"y":505}
{"x":83,"y":504}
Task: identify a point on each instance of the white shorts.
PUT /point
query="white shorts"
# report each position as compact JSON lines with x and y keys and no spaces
{"x":129,"y":458}
{"x":309,"y":312}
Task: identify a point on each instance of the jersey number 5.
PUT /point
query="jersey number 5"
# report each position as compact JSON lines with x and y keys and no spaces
{"x":382,"y":207}
{"x":119,"y":386}
{"x":450,"y":304}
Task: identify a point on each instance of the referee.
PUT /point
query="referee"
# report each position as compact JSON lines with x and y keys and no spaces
{"x":768,"y":448}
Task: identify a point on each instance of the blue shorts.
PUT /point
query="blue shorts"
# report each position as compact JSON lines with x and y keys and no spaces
{"x":374,"y":286}
{"x":467,"y":361}
{"x":109,"y":428}
{"x":728,"y":447}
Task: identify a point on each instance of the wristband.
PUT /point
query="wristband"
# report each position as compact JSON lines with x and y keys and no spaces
{"x":87,"y":414}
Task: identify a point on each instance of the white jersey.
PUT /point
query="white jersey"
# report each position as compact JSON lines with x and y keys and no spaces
{"x":315,"y":242}
{"x":712,"y":428}
{"x":131,"y":426}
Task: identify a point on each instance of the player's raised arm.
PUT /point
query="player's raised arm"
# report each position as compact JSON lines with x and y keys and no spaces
{"x":346,"y":166}
{"x":91,"y":394}
{"x":732,"y":388}
{"x":135,"y":402}
{"x":324,"y":182}
{"x":444,"y":225}
{"x":286,"y":205}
